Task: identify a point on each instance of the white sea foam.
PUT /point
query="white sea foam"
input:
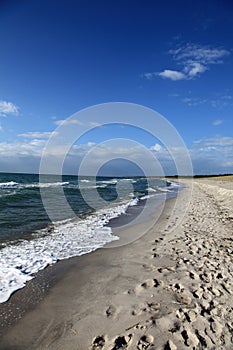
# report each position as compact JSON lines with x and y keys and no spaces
{"x":8,"y":184}
{"x":44,"y":185}
{"x":133,"y":202}
{"x":54,"y":184}
{"x":89,"y":187}
{"x":11,"y":279}
{"x":20,"y":262}
{"x":164,"y":189}
{"x":150,"y":189}
{"x":147,"y":196}
{"x":112,"y":181}
{"x":173,"y":184}
{"x":13,"y":184}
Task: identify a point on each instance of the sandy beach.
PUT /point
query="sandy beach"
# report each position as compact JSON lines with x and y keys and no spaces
{"x":170,"y":289}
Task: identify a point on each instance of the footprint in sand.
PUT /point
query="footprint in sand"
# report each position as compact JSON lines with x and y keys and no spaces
{"x":122,"y":342}
{"x":145,"y":342}
{"x":193,"y":275}
{"x":110,"y":312}
{"x":166,"y":269}
{"x":170,"y":345}
{"x":184,"y":315}
{"x":151,"y":308}
{"x":149,"y":267}
{"x":150,"y":283}
{"x":190,"y":338}
{"x":98,"y":343}
{"x":182,"y":295}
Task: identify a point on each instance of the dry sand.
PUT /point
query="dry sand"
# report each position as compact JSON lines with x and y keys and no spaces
{"x":171,"y":289}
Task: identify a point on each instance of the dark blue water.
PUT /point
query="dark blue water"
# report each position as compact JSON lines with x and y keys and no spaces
{"x":21,"y":207}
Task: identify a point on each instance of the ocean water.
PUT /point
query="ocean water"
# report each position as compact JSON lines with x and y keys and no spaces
{"x":29,"y":241}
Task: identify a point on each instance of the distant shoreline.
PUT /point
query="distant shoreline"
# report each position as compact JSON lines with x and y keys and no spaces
{"x":196,"y":176}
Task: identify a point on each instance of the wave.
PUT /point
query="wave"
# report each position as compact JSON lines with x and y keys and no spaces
{"x":164,"y":189}
{"x":13,"y":184}
{"x":173,"y":184}
{"x":133,"y":202}
{"x":20,"y":262}
{"x":90,"y":187}
{"x":8,"y":184}
{"x":111,"y":182}
{"x":50,"y":184}
{"x":150,"y":189}
{"x":147,"y":196}
{"x":8,"y":194}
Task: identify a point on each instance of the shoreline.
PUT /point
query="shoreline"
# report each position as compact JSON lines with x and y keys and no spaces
{"x":67,"y":238}
{"x":159,"y":292}
{"x":27,"y":298}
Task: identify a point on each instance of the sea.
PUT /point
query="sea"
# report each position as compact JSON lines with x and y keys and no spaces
{"x":30,"y":240}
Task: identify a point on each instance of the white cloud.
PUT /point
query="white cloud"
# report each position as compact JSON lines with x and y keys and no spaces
{"x":227,"y":97}
{"x":217,"y":142}
{"x":1,"y":128}
{"x":16,"y":149}
{"x":221,"y":101}
{"x":38,"y":135}
{"x":91,"y":144}
{"x":8,"y":108}
{"x":156,"y":147}
{"x":197,"y":53}
{"x":68,"y":122}
{"x":194,"y":60}
{"x":73,"y":121}
{"x":148,"y":76}
{"x":217,"y":122}
{"x":213,"y":155}
{"x":172,"y":74}
{"x":209,"y":155}
{"x":194,"y":69}
{"x":94,"y":124}
{"x":193,"y":101}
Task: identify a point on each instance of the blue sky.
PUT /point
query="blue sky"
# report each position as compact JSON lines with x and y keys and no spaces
{"x":58,"y":57}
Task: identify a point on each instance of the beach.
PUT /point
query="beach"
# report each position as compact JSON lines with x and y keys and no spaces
{"x":170,"y":289}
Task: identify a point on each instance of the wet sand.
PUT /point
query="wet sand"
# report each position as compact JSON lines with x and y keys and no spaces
{"x":170,"y":289}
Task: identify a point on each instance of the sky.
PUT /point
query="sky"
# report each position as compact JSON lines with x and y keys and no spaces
{"x":60,"y":57}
